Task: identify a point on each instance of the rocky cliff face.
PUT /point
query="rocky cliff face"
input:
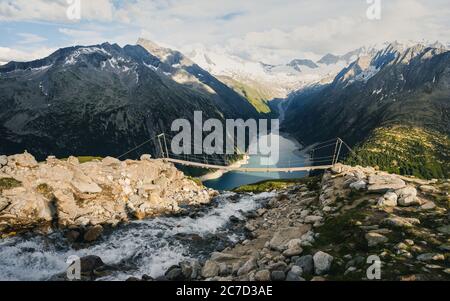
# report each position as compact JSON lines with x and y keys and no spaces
{"x":65,"y":195}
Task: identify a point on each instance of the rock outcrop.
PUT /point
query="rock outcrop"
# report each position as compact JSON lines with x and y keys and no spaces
{"x":68,"y":194}
{"x":331,"y":232}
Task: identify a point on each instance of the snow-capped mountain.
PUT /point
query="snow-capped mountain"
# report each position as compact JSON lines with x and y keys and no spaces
{"x":399,"y":84}
{"x":280,"y":79}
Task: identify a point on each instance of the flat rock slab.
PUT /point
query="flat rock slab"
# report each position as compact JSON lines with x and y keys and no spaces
{"x":384,"y":183}
{"x":285,"y":235}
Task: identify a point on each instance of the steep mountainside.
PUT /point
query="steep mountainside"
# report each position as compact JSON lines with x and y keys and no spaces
{"x":396,"y":86}
{"x":185,"y":71}
{"x":406,"y":150}
{"x":98,"y":100}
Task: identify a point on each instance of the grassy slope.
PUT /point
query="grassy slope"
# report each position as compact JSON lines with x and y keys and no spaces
{"x":270,"y":185}
{"x":258,"y":97}
{"x":406,"y":150}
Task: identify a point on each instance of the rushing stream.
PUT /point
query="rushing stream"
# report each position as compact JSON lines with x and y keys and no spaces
{"x":142,"y":247}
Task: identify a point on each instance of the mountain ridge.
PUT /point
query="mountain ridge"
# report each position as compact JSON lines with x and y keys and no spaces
{"x":98,"y":100}
{"x":397,"y":86}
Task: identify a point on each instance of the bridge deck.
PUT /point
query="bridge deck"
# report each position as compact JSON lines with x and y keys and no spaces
{"x":247,"y":169}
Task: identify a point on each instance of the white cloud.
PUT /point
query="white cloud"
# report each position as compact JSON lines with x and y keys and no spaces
{"x":54,"y":10}
{"x":29,"y":38}
{"x":273,"y":31}
{"x":82,"y":37}
{"x":9,"y":54}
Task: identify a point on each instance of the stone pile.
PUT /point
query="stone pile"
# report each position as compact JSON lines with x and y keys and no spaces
{"x":68,"y":195}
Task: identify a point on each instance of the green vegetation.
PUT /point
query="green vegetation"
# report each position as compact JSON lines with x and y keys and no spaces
{"x":277,"y":184}
{"x":196,"y":181}
{"x":45,"y":190}
{"x":258,"y":98}
{"x":407,"y":151}
{"x":9,"y":183}
{"x":84,"y":159}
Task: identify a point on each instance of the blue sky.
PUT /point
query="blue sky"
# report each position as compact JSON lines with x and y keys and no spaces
{"x":270,"y":30}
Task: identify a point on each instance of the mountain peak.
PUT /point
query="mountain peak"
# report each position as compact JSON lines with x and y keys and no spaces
{"x":296,"y":63}
{"x":329,"y":59}
{"x":166,"y":55}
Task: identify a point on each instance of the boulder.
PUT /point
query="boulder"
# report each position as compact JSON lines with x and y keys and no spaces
{"x":110,"y":161}
{"x":431,"y":257}
{"x":146,"y":157}
{"x":3,"y":161}
{"x":93,"y":233}
{"x":86,"y":187}
{"x":295,"y":274}
{"x":90,"y":263}
{"x":224,"y":269}
{"x":294,"y":243}
{"x":26,"y":209}
{"x":374,"y":239}
{"x":93,"y":193}
{"x":250,"y":265}
{"x":295,"y":251}
{"x":359,"y":185}
{"x":22,"y":160}
{"x":306,"y":263}
{"x":407,"y":196}
{"x":210,"y":269}
{"x":72,"y":235}
{"x":73,"y":160}
{"x":263,"y":275}
{"x":389,"y":199}
{"x":186,"y":269}
{"x":174,"y":273}
{"x":401,"y":222}
{"x":3,"y":203}
{"x":284,"y":235}
{"x":222,"y":257}
{"x":428,"y":206}
{"x":278,"y":266}
{"x":196,"y":269}
{"x":277,"y":276}
{"x":67,"y":208}
{"x":384,"y":182}
{"x":311,"y":219}
{"x":428,"y":189}
{"x":322,"y":262}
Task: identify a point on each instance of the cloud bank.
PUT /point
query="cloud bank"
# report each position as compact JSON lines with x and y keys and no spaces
{"x":273,"y":31}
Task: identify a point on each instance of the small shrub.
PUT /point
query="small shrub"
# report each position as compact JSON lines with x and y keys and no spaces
{"x":9,"y":183}
{"x":45,"y":190}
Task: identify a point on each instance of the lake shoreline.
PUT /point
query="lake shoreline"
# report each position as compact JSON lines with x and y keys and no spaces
{"x":219,"y":173}
{"x":291,"y":152}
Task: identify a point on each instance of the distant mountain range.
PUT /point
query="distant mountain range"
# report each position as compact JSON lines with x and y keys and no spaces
{"x":382,"y":93}
{"x":104,"y":99}
{"x":273,"y":81}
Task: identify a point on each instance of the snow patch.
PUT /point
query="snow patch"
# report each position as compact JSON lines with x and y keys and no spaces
{"x":72,"y":59}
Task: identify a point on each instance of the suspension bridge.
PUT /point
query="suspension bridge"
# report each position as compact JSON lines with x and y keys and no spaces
{"x":320,"y":156}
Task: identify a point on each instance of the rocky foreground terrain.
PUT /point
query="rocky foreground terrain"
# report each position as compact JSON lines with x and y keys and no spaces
{"x":83,"y":198}
{"x":317,"y":228}
{"x":326,"y":230}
